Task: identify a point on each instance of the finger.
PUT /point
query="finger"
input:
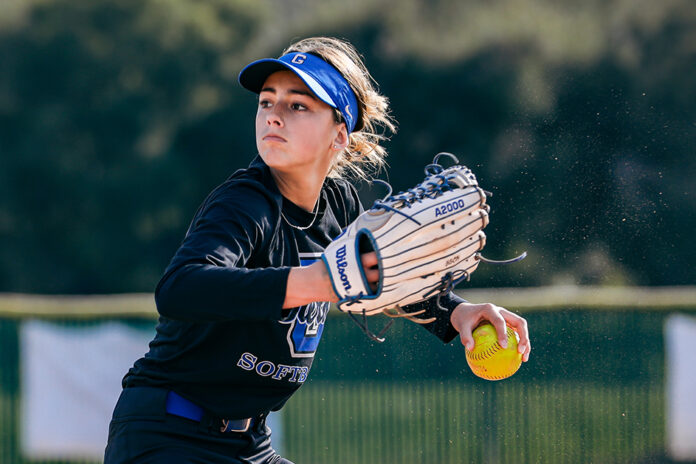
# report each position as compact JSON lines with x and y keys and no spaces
{"x":372,"y":275}
{"x":495,"y":318}
{"x":525,"y":356}
{"x":467,"y":339}
{"x":369,"y":259}
{"x":520,"y":325}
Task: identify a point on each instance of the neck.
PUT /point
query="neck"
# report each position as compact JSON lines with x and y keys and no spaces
{"x":302,"y":191}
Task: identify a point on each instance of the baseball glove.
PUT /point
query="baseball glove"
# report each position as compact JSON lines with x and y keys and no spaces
{"x":426,"y":239}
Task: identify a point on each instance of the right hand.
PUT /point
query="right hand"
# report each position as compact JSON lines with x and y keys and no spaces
{"x":467,"y":316}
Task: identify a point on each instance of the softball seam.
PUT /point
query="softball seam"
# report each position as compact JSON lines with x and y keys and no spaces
{"x":485,"y":354}
{"x":494,"y":348}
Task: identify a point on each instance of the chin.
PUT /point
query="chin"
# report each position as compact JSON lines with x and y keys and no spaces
{"x":272,"y":155}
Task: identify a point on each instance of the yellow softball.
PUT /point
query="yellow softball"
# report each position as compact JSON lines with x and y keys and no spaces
{"x":488,"y":359}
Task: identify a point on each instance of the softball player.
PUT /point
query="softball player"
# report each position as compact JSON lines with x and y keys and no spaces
{"x":244,"y":300}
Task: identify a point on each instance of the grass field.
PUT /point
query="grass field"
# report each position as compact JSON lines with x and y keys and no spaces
{"x":443,"y":422}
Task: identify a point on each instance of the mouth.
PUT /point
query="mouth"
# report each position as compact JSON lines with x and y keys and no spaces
{"x":273,"y":138}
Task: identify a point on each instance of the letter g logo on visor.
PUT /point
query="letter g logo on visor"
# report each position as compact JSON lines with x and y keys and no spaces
{"x":322,"y":79}
{"x":298,"y":58}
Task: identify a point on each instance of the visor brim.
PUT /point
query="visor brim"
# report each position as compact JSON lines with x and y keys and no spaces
{"x":253,"y":76}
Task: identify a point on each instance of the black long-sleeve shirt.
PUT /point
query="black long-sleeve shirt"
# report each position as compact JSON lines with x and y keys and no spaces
{"x":222,"y":339}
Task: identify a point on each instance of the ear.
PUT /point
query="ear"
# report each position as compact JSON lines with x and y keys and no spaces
{"x":341,"y":140}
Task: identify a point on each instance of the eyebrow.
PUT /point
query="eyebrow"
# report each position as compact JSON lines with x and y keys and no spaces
{"x":293,"y":91}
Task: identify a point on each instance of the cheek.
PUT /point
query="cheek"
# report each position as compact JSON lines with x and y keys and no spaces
{"x":258,"y":124}
{"x":323,"y":134}
{"x":318,"y":142}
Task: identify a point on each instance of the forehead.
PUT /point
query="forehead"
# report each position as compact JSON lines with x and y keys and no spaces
{"x":285,"y":80}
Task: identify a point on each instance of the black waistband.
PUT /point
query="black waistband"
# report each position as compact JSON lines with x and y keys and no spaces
{"x":138,"y":402}
{"x":180,"y":406}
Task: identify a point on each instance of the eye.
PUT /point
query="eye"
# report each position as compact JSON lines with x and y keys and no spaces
{"x":264,"y":103}
{"x":298,"y":107}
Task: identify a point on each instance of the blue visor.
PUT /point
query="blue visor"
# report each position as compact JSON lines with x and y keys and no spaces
{"x":322,"y":79}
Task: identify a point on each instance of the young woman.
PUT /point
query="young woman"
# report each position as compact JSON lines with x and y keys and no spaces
{"x":244,"y":301}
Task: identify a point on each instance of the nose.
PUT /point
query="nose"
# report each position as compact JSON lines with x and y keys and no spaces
{"x":273,"y":118}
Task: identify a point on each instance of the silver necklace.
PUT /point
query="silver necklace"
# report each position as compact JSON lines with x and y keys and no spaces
{"x":316,"y":212}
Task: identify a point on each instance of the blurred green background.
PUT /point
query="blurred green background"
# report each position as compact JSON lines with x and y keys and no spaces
{"x":117,"y":117}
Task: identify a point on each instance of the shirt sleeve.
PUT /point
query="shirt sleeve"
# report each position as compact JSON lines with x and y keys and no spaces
{"x":208,"y":278}
{"x":441,"y":326}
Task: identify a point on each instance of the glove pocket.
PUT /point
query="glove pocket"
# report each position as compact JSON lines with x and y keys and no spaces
{"x":400,"y":267}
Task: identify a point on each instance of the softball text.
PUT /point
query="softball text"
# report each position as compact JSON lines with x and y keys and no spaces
{"x":248,"y":362}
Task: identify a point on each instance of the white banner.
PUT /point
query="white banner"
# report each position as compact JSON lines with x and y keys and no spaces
{"x":680,"y":336}
{"x":70,"y":381}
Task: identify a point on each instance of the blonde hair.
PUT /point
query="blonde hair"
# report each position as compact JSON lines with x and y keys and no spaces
{"x":364,"y":156}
